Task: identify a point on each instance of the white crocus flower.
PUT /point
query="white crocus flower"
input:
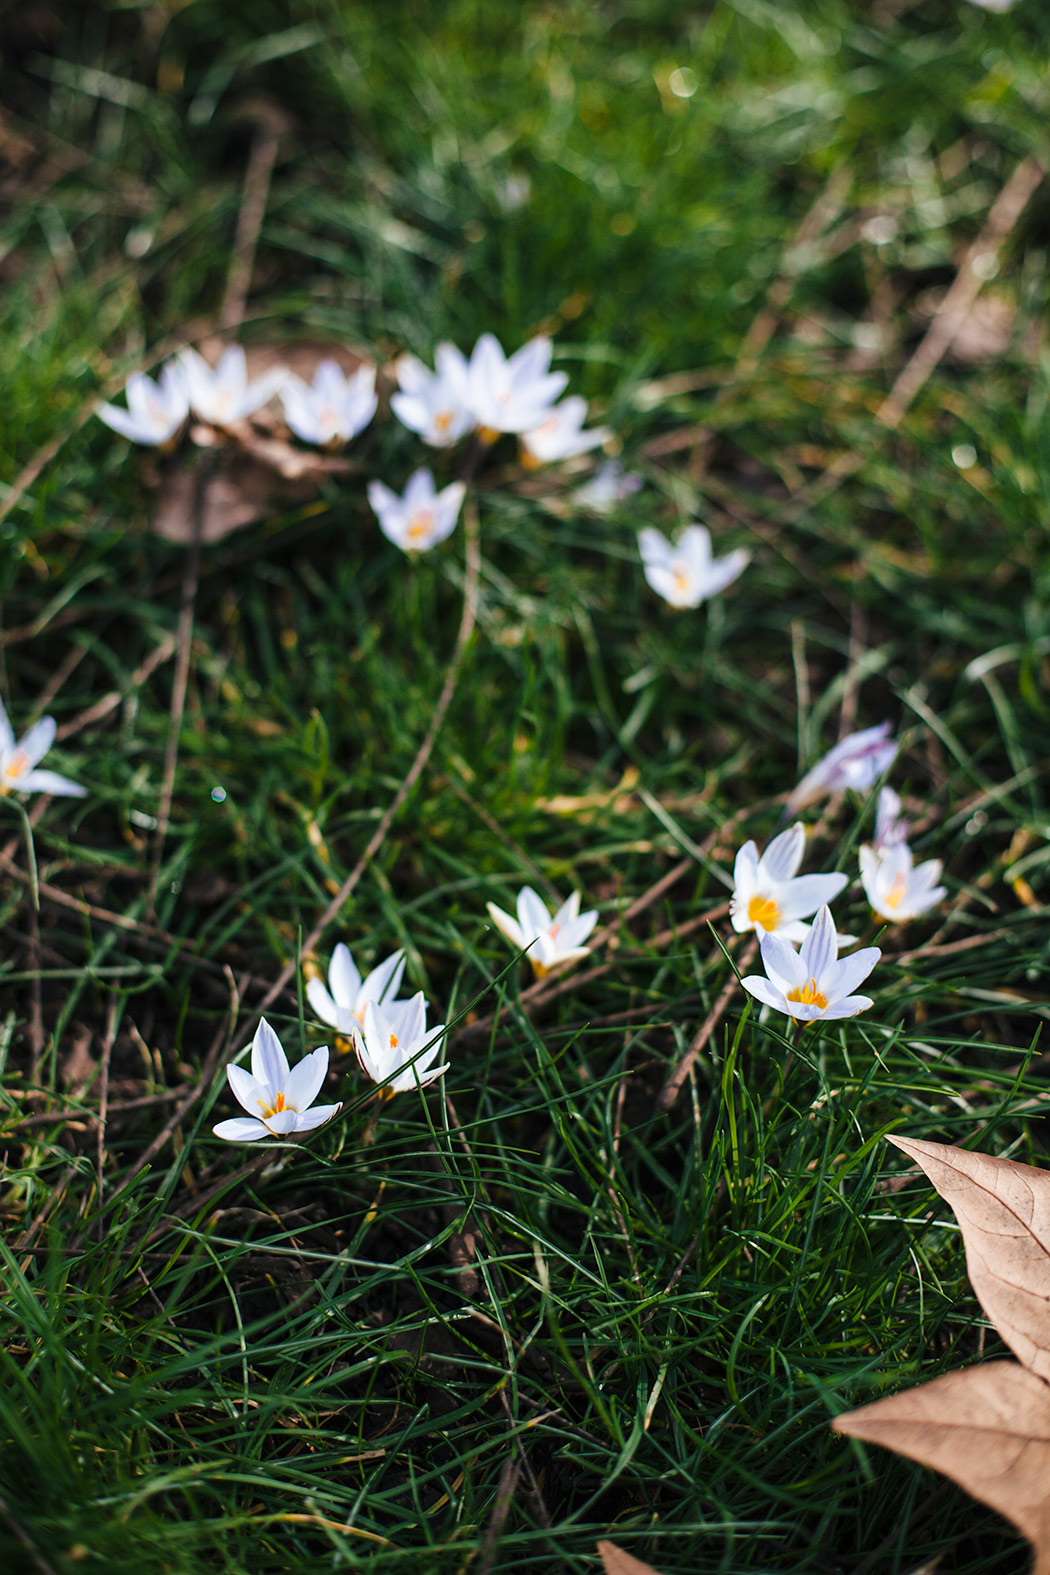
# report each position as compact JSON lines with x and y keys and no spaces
{"x":398,"y":1050}
{"x":897,"y":889}
{"x":552,"y":941}
{"x":223,"y":394}
{"x":422,"y":517}
{"x":18,"y":761}
{"x":342,"y":1004}
{"x":769,"y":897}
{"x":156,"y":410}
{"x":435,"y":404}
{"x":333,"y":408}
{"x":685,"y":574}
{"x":609,"y":485}
{"x":814,"y":983}
{"x":515,"y":393}
{"x":278,"y":1100}
{"x":857,"y":762}
{"x":890,"y":827}
{"x":560,"y":435}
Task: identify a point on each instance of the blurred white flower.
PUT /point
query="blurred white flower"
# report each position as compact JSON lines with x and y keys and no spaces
{"x":552,"y":941}
{"x":769,"y":897}
{"x":156,"y":410}
{"x":560,"y":435}
{"x":435,"y":404}
{"x":399,"y":1050}
{"x":685,"y":574}
{"x":609,"y":485}
{"x":994,"y":5}
{"x":857,"y":762}
{"x":18,"y":761}
{"x":897,"y":889}
{"x":333,"y":408}
{"x":515,"y":393}
{"x":814,"y":982}
{"x":279,"y":1099}
{"x":223,"y":394}
{"x":890,"y":827}
{"x":342,"y":1004}
{"x":422,"y":517}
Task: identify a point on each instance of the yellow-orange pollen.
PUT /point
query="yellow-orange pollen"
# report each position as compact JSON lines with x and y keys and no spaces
{"x":393,"y":1041}
{"x":17,"y":765}
{"x":897,"y":892}
{"x":274,"y":1109}
{"x":681,"y":579}
{"x":763,"y":911}
{"x":552,"y":931}
{"x":420,"y":524}
{"x":443,"y":420}
{"x":808,"y":995}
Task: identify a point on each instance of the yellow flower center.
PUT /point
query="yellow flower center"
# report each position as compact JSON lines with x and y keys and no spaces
{"x":17,"y":765}
{"x":897,"y":892}
{"x":763,"y":911}
{"x":393,"y":1041}
{"x":442,"y":421}
{"x":681,"y":580}
{"x":274,"y":1109}
{"x":808,"y":995}
{"x":421,"y":524}
{"x":487,"y":434}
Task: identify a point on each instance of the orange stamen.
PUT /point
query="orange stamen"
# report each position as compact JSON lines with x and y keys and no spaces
{"x":763,"y":911}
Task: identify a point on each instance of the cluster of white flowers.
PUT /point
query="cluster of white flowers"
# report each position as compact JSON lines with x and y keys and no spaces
{"x":772,"y":899}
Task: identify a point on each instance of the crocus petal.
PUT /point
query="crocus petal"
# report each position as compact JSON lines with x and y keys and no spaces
{"x":533,"y":913}
{"x":782,"y":963}
{"x":819,"y":949}
{"x":50,"y":782}
{"x":844,"y":975}
{"x":315,"y":1116}
{"x":806,"y":893}
{"x":269,"y":1062}
{"x":283,"y":1122}
{"x":36,"y":743}
{"x":344,"y":978}
{"x":250,"y":1094}
{"x":385,"y":980}
{"x":128,"y":425}
{"x":7,"y":733}
{"x":569,"y":909}
{"x":724,"y":571}
{"x":784,"y":854}
{"x":848,"y":1007}
{"x":758,"y":986}
{"x":655,"y":549}
{"x":304,"y":1081}
{"x":241,"y":1129}
{"x":507,"y":926}
{"x":322,"y":1003}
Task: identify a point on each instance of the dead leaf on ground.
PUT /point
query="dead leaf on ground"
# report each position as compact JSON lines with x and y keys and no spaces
{"x":616,"y":1562}
{"x":1003,"y":1210}
{"x":987,"y":1428}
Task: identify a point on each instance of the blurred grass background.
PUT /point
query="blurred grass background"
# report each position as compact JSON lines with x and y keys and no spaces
{"x":739,"y":222}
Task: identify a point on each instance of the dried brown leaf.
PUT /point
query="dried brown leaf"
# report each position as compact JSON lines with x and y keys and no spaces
{"x":987,"y":1428}
{"x":240,"y":491}
{"x":1003,"y":1210}
{"x":616,"y":1562}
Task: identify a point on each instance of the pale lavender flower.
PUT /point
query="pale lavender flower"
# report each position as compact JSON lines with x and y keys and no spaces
{"x":435,"y":404}
{"x":278,"y":1100}
{"x":552,"y":941}
{"x":420,"y":518}
{"x":813,"y":983}
{"x":18,"y":761}
{"x":560,"y":435}
{"x":768,"y":895}
{"x":333,"y":408}
{"x":609,"y":485}
{"x":685,"y":574}
{"x":857,"y":762}
{"x":890,"y":827}
{"x":897,"y":889}
{"x":156,"y":410}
